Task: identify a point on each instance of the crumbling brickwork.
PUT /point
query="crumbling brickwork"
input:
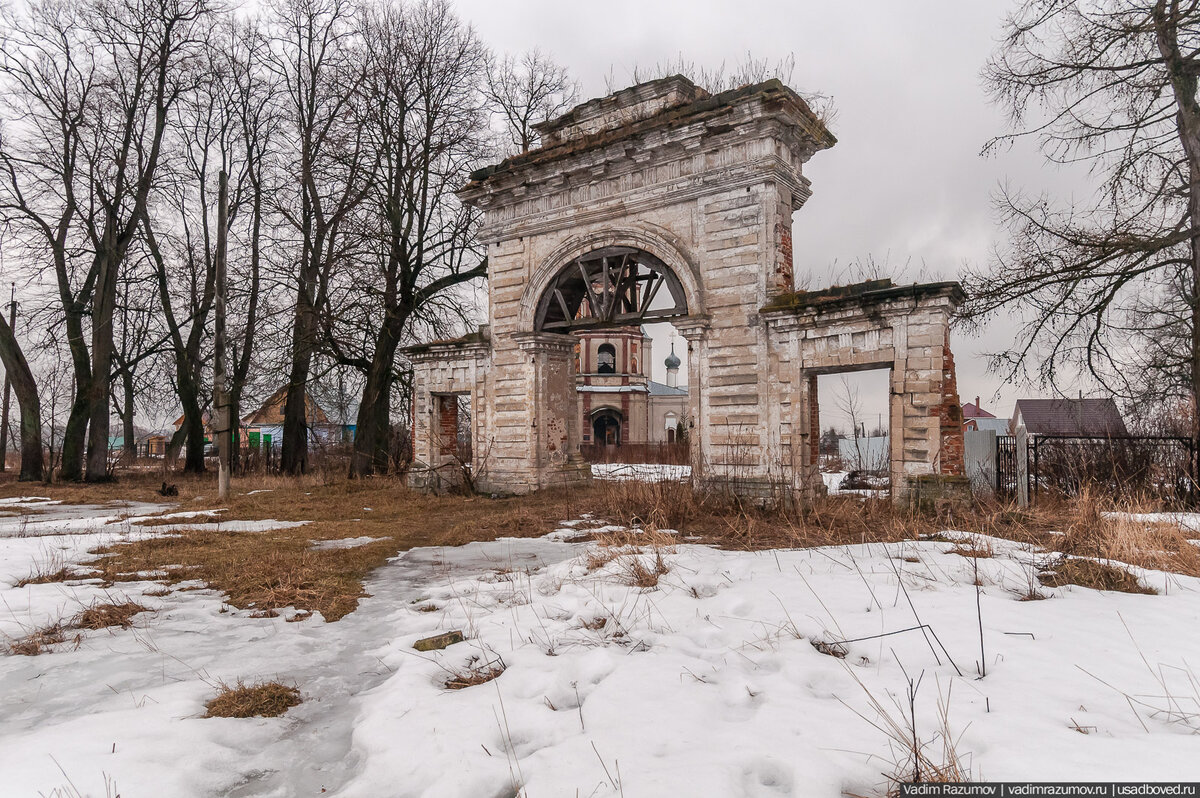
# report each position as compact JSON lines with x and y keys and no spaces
{"x":950,"y":416}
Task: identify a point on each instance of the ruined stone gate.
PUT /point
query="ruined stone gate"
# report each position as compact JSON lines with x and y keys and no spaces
{"x":665,"y":203}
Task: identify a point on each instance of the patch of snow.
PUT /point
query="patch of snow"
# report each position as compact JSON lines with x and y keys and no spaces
{"x":706,"y":685}
{"x":833,"y":479}
{"x":641,"y":472}
{"x":265,"y":525}
{"x":342,"y":543}
{"x":28,"y":501}
{"x":259,"y":490}
{"x":1189,"y":522}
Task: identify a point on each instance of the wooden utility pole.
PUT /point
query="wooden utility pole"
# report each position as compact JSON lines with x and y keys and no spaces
{"x":224,"y":424}
{"x":12,"y":323}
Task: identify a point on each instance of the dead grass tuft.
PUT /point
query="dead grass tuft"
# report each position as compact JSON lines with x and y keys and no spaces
{"x":973,"y":551}
{"x":830,"y":649}
{"x":103,"y":615}
{"x":38,"y":577}
{"x":260,"y":700}
{"x":638,"y":574}
{"x":474,"y":675}
{"x":1093,"y":574}
{"x":41,"y":640}
{"x":1093,"y":529}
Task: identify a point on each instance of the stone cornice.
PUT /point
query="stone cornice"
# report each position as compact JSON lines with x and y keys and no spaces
{"x":809,"y":309}
{"x":716,"y":114}
{"x":472,"y":346}
{"x":636,"y":200}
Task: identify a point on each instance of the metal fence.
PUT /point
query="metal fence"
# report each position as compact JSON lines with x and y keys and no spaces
{"x":1135,"y":466}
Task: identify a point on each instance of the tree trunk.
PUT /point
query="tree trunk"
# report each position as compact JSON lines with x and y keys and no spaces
{"x":193,"y":427}
{"x":75,"y":436}
{"x":75,"y":431}
{"x":128,"y":437}
{"x":1184,"y":84}
{"x":294,"y":457}
{"x":369,"y":433}
{"x":103,"y":305}
{"x":25,"y":388}
{"x":178,"y":437}
{"x":383,"y":428}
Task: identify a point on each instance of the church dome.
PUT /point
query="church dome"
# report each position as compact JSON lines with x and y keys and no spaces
{"x":672,"y":360}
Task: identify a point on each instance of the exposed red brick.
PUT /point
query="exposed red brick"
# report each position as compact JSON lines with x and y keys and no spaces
{"x":448,"y":424}
{"x":950,"y":416}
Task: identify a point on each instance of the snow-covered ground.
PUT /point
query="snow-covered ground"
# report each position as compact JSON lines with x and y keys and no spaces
{"x":641,"y":472}
{"x":707,"y":684}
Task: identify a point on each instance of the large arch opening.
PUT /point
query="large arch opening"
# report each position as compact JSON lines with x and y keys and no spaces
{"x":631,"y":403}
{"x":610,"y":287}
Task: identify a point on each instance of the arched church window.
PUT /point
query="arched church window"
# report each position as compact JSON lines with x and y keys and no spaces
{"x":606,"y":359}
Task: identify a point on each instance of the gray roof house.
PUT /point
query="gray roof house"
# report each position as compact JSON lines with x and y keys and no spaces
{"x":1089,"y":418}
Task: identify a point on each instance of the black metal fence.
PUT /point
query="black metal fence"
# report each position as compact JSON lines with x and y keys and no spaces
{"x":1157,"y":467}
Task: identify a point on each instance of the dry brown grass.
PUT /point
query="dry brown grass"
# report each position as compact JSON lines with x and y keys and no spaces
{"x":475,"y":675}
{"x":276,"y":569}
{"x":830,"y":649}
{"x":103,"y":615}
{"x":974,"y":551}
{"x":638,"y":574}
{"x":260,"y":700}
{"x":41,"y":640}
{"x":1090,"y":532}
{"x":724,"y":520}
{"x":45,"y":577}
{"x":1093,"y":574}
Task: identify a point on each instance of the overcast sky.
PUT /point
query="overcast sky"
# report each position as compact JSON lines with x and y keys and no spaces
{"x":905,"y":185}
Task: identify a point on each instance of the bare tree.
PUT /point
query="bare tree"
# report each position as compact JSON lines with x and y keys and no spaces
{"x":529,"y":89}
{"x":134,"y":345}
{"x":316,"y":57}
{"x":26,"y":390}
{"x":255,"y":98}
{"x":426,"y":125}
{"x":1103,"y":287}
{"x":50,"y":74}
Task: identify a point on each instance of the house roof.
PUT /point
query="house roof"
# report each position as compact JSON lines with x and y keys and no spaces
{"x":973,"y":410}
{"x":1088,"y":417}
{"x":658,"y":389}
{"x":997,"y":425}
{"x":271,"y":411}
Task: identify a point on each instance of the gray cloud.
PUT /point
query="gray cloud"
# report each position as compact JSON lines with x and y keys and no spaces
{"x":906,"y":184}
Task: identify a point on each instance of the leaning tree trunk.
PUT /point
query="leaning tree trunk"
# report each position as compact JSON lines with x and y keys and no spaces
{"x":294,"y":457}
{"x":25,"y":388}
{"x":74,"y":442}
{"x":75,"y":431}
{"x":383,"y":428}
{"x":103,"y":304}
{"x":369,"y":434}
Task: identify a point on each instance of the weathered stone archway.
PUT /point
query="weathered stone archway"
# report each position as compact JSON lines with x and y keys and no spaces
{"x":695,"y":193}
